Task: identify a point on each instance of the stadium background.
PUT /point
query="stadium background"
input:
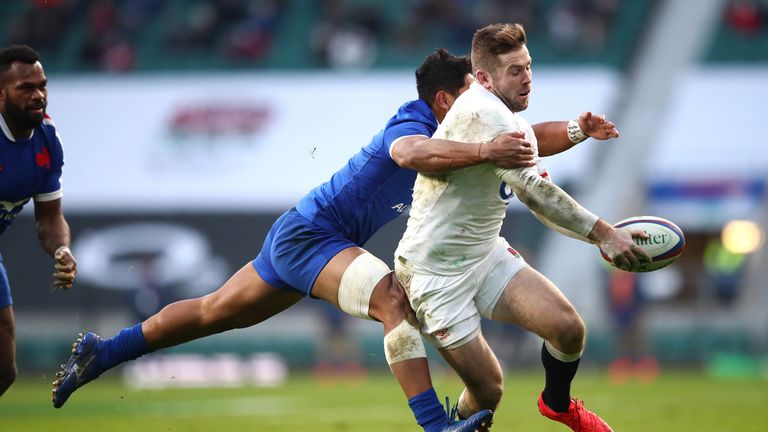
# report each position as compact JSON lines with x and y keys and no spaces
{"x":189,"y":126}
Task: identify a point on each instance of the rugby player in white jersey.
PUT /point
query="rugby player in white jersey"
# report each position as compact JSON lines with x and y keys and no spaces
{"x":455,"y":267}
{"x":316,"y":248}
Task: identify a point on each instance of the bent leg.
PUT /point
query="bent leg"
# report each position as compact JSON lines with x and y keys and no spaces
{"x":481,"y":373}
{"x":7,"y":349}
{"x":533,"y":302}
{"x":389,"y":305}
{"x":244,"y":300}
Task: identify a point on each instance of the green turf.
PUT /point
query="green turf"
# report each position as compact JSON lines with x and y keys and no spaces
{"x":677,"y":402}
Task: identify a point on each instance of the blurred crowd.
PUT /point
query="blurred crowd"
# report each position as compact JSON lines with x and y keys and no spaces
{"x":748,"y":17}
{"x":112,"y":35}
{"x":350,"y":33}
{"x":116,"y":35}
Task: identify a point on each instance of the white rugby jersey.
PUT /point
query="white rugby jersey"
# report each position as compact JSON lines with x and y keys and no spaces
{"x":456,"y":216}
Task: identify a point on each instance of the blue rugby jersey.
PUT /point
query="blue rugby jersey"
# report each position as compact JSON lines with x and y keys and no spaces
{"x":371,"y":189}
{"x":29,"y":168}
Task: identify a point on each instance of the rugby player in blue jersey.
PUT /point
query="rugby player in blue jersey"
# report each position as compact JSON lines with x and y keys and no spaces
{"x":31,"y":159}
{"x":315,"y":248}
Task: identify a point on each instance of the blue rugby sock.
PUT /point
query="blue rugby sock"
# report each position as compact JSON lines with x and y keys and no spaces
{"x":559,"y":374}
{"x":127,"y":345}
{"x":428,"y":411}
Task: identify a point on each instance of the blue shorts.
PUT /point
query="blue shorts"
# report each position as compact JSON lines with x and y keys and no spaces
{"x":295,"y":251}
{"x":5,"y":287}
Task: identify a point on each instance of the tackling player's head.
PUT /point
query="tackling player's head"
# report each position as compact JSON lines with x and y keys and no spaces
{"x":501,"y":63}
{"x":441,"y":79}
{"x":23,"y":88}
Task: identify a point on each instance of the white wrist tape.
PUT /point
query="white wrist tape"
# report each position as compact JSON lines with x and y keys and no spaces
{"x":575,"y":134}
{"x":358,"y":282}
{"x":403,"y":343}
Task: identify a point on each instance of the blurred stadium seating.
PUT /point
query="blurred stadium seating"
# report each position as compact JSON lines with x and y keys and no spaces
{"x":149,"y":35}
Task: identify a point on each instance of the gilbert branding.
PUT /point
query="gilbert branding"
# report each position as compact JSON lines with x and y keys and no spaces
{"x":653,"y":239}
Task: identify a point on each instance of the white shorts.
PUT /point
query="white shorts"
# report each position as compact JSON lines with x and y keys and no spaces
{"x":449,"y":307}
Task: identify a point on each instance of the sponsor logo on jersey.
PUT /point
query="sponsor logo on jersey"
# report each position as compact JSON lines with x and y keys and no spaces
{"x":514,"y":253}
{"x":401,"y":208}
{"x":505,"y":192}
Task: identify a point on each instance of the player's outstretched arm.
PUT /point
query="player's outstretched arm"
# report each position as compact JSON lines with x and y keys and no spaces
{"x":558,"y":136}
{"x":53,"y":232}
{"x":431,"y":155}
{"x":551,"y":203}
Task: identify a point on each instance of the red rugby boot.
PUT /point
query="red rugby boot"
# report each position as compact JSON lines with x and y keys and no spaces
{"x":578,"y":418}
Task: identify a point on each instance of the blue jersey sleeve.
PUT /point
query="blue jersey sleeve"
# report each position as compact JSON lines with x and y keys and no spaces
{"x":404,"y":129}
{"x":51,"y":188}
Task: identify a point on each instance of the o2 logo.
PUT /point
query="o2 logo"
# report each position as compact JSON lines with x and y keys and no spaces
{"x":505,"y":192}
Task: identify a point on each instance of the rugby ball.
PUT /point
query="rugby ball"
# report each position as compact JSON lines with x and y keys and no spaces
{"x":664,"y":244}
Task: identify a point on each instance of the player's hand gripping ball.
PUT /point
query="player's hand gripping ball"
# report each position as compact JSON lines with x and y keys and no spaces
{"x":664,"y":244}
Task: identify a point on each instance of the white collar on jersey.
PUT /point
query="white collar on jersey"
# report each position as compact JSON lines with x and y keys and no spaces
{"x":7,"y":130}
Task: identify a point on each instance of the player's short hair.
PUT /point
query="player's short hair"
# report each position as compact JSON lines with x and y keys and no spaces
{"x":17,"y":53}
{"x":493,"y":40}
{"x":441,"y":70}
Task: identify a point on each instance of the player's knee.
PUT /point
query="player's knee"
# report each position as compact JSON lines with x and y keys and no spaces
{"x":570,"y":333}
{"x":486,"y":388}
{"x":492,"y":396}
{"x":215,"y":316}
{"x":220,"y":316}
{"x":389,"y":304}
{"x":402,"y":343}
{"x":488,"y":394}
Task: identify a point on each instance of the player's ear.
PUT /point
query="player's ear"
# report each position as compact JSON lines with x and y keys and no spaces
{"x":482,"y":77}
{"x":442,"y":100}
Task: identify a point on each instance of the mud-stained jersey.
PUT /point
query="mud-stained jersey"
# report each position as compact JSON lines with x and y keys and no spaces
{"x":456,"y":216}
{"x":29,"y":168}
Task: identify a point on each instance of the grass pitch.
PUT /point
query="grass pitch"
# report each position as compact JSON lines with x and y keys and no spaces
{"x":677,"y":401}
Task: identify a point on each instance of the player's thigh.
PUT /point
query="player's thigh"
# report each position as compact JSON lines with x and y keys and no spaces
{"x":7,"y":340}
{"x":248,"y":299}
{"x":326,"y":286}
{"x":363,"y":286}
{"x":494,"y":273}
{"x":533,"y":302}
{"x":296,"y":251}
{"x":477,"y":366}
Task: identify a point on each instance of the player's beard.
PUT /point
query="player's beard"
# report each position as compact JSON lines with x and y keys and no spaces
{"x":22,"y":118}
{"x":514,"y":107}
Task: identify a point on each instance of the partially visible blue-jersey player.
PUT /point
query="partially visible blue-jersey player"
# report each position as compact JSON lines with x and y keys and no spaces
{"x":31,"y":159}
{"x":315,"y":248}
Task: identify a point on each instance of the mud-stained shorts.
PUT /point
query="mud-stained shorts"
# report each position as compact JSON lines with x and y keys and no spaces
{"x":449,"y":307}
